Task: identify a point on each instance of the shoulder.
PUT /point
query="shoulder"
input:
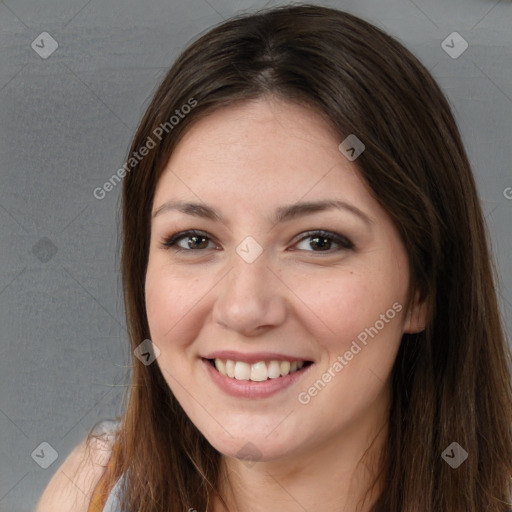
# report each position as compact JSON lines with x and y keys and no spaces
{"x":72,"y":485}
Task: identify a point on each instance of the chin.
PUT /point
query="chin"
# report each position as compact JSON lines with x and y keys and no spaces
{"x":252,"y":444}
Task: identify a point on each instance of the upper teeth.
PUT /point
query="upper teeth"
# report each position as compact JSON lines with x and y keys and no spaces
{"x":259,"y":371}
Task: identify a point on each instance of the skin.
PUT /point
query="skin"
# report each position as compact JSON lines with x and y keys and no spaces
{"x":295,"y":298}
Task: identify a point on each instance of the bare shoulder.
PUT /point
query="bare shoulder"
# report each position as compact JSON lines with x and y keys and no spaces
{"x":71,"y":487}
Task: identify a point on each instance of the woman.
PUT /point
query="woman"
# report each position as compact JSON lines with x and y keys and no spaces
{"x":309,"y":292}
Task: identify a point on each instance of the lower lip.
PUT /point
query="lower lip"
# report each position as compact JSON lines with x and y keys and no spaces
{"x":249,"y":388}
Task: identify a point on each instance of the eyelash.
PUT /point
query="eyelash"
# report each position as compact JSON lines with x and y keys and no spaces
{"x":344,"y":243}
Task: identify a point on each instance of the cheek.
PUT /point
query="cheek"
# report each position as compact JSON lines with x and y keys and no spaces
{"x":345,"y":305}
{"x":178,"y":302}
{"x":169,"y":300}
{"x":159,"y":302}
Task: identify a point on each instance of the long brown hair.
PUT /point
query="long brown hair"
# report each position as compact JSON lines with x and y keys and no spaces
{"x":451,"y":382}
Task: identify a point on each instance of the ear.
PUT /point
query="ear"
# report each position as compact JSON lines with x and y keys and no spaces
{"x":416,"y":318}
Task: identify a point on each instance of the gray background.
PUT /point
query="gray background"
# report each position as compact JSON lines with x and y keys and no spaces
{"x":67,"y":121}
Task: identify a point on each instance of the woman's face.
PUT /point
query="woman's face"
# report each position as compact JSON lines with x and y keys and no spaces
{"x":258,"y":289}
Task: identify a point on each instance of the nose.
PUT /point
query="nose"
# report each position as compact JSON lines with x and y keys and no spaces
{"x":251,"y":298}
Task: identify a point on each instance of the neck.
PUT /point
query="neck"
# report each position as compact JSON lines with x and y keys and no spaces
{"x":336,"y":475}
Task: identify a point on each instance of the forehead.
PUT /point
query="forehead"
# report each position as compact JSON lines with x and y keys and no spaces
{"x":259,"y":152}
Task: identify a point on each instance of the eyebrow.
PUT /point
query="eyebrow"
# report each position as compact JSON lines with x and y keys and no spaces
{"x":282,"y":214}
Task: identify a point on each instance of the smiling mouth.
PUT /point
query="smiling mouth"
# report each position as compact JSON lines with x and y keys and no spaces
{"x":257,"y":372}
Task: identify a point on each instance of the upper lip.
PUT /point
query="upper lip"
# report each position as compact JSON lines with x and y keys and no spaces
{"x":255,"y":357}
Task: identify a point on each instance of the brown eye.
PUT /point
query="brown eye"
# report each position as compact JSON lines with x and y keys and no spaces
{"x":194,"y":240}
{"x":322,"y":241}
